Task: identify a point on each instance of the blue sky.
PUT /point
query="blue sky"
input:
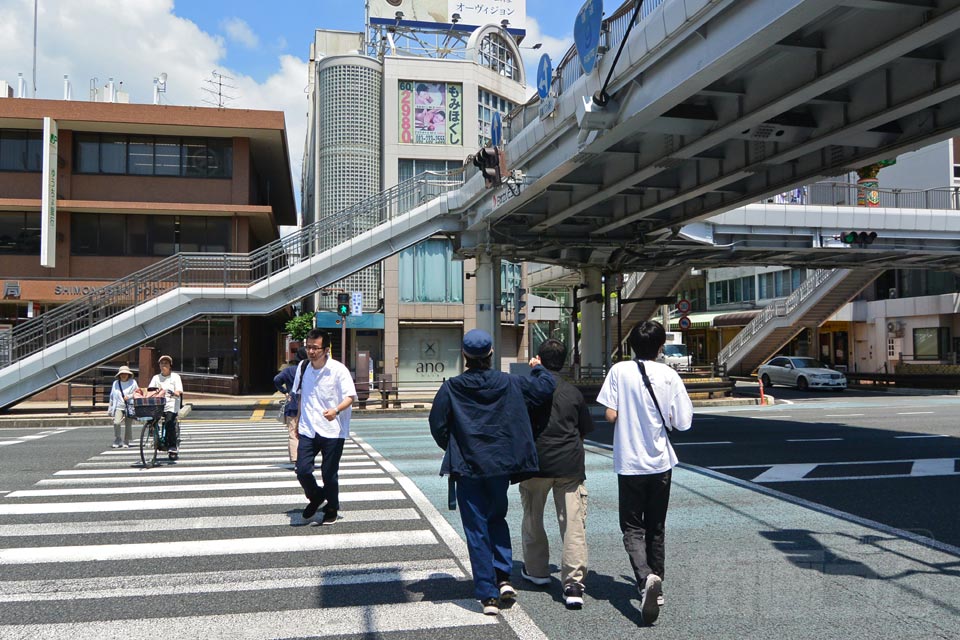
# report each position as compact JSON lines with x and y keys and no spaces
{"x":287,"y":26}
{"x":262,"y":45}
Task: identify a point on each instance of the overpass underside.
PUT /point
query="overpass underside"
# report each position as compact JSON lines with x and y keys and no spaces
{"x":737,"y":101}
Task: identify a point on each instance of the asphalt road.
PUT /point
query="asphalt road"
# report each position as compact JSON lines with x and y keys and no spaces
{"x":891,"y":459}
{"x":92,"y":546}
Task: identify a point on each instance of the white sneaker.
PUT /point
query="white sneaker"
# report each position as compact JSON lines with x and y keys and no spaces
{"x":116,"y":444}
{"x":649,"y":596}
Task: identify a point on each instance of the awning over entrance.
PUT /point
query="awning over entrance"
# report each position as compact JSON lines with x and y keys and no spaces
{"x":698,"y":320}
{"x":735,"y":318}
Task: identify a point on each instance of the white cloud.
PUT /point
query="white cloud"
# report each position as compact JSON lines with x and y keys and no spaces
{"x":133,"y":42}
{"x":239,"y":31}
{"x":555,"y":47}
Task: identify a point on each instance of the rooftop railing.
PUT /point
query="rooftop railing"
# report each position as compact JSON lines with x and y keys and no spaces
{"x":221,"y":270}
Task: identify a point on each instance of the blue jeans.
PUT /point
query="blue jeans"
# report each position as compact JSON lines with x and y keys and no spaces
{"x":330,"y":449}
{"x":483,"y":512}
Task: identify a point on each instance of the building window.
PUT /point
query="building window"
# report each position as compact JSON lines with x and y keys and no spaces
{"x":154,"y":156}
{"x":495,"y":53}
{"x":431,"y":112}
{"x":21,"y":150}
{"x":730,"y":291}
{"x":428,"y":273}
{"x":779,"y":284}
{"x":19,"y":233}
{"x":931,"y":343}
{"x":103,"y":234}
{"x":511,"y":275}
{"x":488,"y":104}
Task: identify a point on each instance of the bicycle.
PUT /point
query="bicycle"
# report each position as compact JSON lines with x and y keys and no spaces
{"x":153,"y":434}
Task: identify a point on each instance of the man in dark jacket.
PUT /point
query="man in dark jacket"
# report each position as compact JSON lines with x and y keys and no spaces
{"x":559,"y":427}
{"x":283,"y":381}
{"x":480,"y":420}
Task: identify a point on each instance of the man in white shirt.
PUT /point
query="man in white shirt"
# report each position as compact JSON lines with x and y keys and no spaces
{"x":172,"y":387}
{"x":642,"y":455}
{"x":326,"y":394}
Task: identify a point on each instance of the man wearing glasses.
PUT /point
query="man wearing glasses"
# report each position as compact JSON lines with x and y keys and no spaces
{"x":326,"y":394}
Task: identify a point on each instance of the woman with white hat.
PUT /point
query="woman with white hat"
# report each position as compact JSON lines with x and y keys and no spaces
{"x":123,"y":390}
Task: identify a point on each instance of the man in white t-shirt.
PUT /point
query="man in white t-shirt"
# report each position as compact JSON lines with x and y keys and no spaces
{"x":642,"y":455}
{"x":326,"y":394}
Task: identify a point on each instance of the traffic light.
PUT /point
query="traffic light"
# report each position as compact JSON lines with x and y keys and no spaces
{"x":519,"y":302}
{"x":488,"y":161}
{"x":863,"y":238}
{"x":343,"y":304}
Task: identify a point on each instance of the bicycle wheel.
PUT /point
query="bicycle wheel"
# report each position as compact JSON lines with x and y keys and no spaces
{"x":148,"y":444}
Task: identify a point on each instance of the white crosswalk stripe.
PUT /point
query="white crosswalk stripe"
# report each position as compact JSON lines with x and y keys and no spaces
{"x":227,"y":516}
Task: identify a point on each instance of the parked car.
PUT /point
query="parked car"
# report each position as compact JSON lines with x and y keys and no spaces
{"x":802,"y":373}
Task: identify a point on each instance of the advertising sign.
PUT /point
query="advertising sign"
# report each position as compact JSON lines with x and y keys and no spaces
{"x":48,"y":201}
{"x":431,"y":113}
{"x":586,"y":33}
{"x":472,"y":13}
{"x":356,"y":303}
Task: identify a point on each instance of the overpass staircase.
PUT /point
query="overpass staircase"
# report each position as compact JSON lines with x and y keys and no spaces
{"x":74,"y":337}
{"x":818,"y":297}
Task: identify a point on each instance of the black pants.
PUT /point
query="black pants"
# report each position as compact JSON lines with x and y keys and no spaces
{"x":170,"y":429}
{"x":330,"y":450}
{"x":643,"y":517}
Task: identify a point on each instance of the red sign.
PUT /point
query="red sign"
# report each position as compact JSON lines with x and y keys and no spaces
{"x":683,"y":322}
{"x":683,"y":306}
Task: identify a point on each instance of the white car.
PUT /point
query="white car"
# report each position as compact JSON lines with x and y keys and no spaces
{"x":802,"y":373}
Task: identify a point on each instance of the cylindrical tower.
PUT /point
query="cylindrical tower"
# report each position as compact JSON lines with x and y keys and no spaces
{"x":349,"y":120}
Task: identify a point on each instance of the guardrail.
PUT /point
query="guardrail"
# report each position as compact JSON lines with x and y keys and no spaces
{"x":847,"y":194}
{"x":226,"y":270}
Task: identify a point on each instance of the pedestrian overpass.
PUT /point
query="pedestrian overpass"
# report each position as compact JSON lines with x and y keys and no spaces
{"x":711,"y":105}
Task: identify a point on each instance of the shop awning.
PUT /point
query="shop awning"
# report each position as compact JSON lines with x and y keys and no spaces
{"x":698,"y":320}
{"x":735,"y":318}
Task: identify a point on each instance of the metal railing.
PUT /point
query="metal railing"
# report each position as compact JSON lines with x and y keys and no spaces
{"x":848,"y":194}
{"x":780,"y":308}
{"x":221,"y":270}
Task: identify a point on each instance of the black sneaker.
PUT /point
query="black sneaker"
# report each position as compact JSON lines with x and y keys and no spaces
{"x":329,"y":517}
{"x":649,"y":595}
{"x":311,"y":510}
{"x":507,"y":592}
{"x":491,"y":607}
{"x":537,"y":580}
{"x":573,"y":595}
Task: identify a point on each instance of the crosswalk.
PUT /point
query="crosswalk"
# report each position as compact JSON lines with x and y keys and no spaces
{"x":46,"y":433}
{"x":214,"y":546}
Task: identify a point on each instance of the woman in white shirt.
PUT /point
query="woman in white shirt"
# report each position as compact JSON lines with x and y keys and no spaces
{"x":123,"y":390}
{"x":172,"y":387}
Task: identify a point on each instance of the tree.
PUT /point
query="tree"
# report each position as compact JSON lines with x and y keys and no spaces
{"x":298,"y":326}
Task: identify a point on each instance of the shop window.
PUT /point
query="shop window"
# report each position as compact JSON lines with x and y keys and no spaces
{"x":931,"y":343}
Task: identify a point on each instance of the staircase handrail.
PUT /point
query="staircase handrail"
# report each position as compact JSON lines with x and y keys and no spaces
{"x":778,"y":308}
{"x":223,"y":269}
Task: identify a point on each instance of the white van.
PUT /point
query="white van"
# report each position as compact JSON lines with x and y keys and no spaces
{"x":675,"y":353}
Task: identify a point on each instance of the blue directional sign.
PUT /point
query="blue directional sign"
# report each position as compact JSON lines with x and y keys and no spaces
{"x":496,"y":129}
{"x":586,"y":33}
{"x":544,"y":76}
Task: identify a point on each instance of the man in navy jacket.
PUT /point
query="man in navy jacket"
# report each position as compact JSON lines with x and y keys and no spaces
{"x":480,"y":419}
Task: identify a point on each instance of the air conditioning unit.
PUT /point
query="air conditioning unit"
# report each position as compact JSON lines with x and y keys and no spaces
{"x":895,"y":328}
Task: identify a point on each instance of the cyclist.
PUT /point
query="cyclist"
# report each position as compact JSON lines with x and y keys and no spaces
{"x":172,"y":387}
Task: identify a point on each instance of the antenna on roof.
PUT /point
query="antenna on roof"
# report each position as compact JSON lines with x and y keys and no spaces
{"x":159,"y":86}
{"x":215,"y":89}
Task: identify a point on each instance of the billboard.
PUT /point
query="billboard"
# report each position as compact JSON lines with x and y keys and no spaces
{"x":473,"y":13}
{"x":431,"y":112}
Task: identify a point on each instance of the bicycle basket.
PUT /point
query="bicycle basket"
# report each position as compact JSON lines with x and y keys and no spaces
{"x":148,"y":407}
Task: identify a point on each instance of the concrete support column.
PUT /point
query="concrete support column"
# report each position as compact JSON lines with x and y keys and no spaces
{"x":488,"y":300}
{"x":591,"y":322}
